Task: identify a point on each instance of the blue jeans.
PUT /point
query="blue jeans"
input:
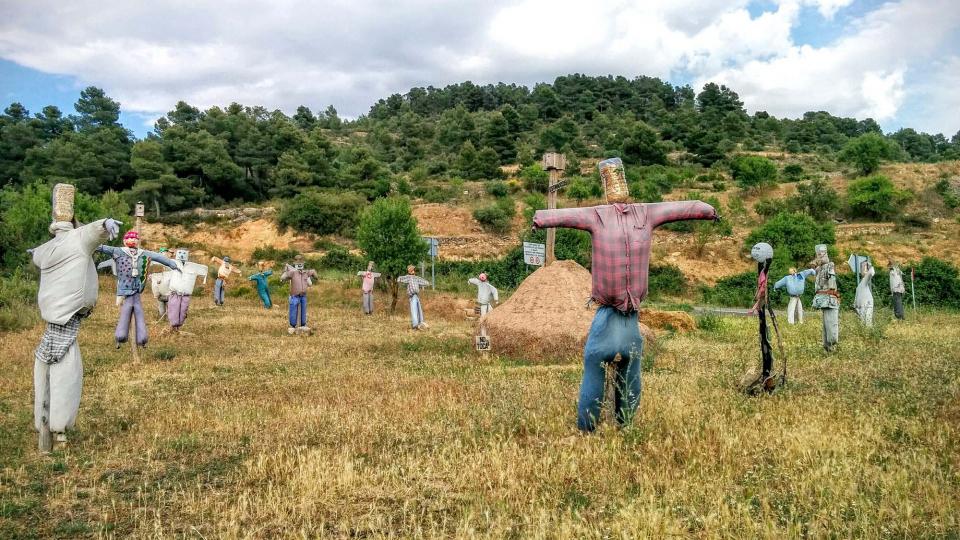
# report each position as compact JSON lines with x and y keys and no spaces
{"x":416,"y":312}
{"x":611,"y":332}
{"x":218,"y":287}
{"x":298,"y":306}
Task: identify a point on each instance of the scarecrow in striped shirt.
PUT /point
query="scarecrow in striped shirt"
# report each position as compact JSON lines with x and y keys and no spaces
{"x":413,"y":283}
{"x":622,"y":235}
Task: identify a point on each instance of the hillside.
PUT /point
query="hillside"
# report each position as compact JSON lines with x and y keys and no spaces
{"x":463,"y":238}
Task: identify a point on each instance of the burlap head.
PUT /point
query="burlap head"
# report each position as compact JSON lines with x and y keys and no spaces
{"x":62,"y":200}
{"x":614,"y":180}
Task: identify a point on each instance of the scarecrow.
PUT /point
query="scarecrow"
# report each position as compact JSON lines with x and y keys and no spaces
{"x":766,"y":381}
{"x":485,"y":293}
{"x":261,"y":279}
{"x":414,"y":282}
{"x":299,"y":279}
{"x":827,"y":297}
{"x":794,"y":282}
{"x":223,"y":275}
{"x":896,"y":288}
{"x":181,"y":288}
{"x":863,"y":301}
{"x":131,"y":264}
{"x":622,"y":234}
{"x":160,"y":286}
{"x":67,"y":294}
{"x":369,"y":276}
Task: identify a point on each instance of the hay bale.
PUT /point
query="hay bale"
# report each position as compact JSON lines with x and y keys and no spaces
{"x":678,"y":321}
{"x":547,"y":317}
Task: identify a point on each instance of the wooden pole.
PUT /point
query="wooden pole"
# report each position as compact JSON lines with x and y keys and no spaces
{"x":46,"y":438}
{"x":138,"y":214}
{"x":554,"y":163}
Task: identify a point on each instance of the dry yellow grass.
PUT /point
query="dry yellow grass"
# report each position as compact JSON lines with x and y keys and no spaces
{"x":375,"y":431}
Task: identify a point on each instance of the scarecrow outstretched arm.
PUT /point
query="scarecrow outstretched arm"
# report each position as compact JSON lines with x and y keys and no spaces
{"x":571,"y":218}
{"x":668,"y":212}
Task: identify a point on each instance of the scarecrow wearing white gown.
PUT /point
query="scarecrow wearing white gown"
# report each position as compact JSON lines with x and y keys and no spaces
{"x":863,"y":301}
{"x":68,"y":293}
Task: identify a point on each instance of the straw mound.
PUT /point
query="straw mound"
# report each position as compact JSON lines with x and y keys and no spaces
{"x":547,"y":318}
{"x":679,"y":321}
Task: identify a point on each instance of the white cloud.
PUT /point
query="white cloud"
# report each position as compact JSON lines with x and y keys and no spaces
{"x":149,"y":55}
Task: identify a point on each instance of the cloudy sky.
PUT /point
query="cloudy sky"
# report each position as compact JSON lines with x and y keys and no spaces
{"x":896,"y":61}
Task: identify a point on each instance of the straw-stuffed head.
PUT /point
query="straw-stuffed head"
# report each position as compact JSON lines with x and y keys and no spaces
{"x":614,"y":180}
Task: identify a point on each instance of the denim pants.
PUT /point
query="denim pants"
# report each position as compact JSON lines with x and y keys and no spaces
{"x":298,"y":307}
{"x":368,"y":303}
{"x":218,"y":288}
{"x":131,"y":306}
{"x":416,"y":311}
{"x":611,"y":333}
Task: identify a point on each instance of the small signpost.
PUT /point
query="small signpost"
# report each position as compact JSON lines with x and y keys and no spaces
{"x":855,"y":261}
{"x":534,"y":254}
{"x":554,"y":163}
{"x":434,"y":252}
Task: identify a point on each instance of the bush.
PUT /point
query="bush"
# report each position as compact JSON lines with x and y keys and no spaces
{"x":497,"y":189}
{"x":270,"y":253}
{"x":875,"y":197}
{"x":535,"y":179}
{"x":665,"y":280}
{"x":816,"y":199}
{"x":322,"y":213}
{"x":866,"y":151}
{"x":338,"y":258}
{"x":937,"y":283}
{"x":498,"y":217}
{"x":753,"y":172}
{"x":950,"y":194}
{"x":767,"y":208}
{"x":793,"y":237}
{"x":792,"y":173}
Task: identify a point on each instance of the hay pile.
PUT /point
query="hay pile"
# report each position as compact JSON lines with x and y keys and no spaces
{"x":547,"y":318}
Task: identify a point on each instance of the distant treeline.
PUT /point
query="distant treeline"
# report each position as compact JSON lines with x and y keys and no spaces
{"x":241,"y":153}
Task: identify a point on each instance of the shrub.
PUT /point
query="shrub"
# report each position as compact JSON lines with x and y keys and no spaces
{"x":792,"y":237}
{"x":535,"y":179}
{"x":322,"y":213}
{"x":875,"y":197}
{"x":866,"y":151}
{"x":816,"y":199}
{"x":709,"y":322}
{"x":792,"y":172}
{"x":950,"y":194}
{"x":937,"y":283}
{"x":497,"y":217}
{"x":666,"y":279}
{"x":753,"y":172}
{"x":497,"y":189}
{"x":271,"y":253}
{"x":338,"y":258}
{"x":767,"y":208}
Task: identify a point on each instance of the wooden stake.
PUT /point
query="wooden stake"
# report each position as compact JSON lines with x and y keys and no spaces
{"x":554,"y":163}
{"x":138,"y":214}
{"x":46,"y":438}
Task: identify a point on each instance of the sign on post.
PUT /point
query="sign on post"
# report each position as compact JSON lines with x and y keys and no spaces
{"x":855,"y":261}
{"x":534,"y":254}
{"x":138,"y":210}
{"x":434,"y":251}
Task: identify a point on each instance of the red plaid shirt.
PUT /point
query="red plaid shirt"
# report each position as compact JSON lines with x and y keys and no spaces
{"x":622,"y":235}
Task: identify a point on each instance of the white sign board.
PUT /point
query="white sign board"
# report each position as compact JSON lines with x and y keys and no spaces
{"x":855,"y":261}
{"x":534,"y":254}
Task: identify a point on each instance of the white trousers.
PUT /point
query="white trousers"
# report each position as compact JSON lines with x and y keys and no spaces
{"x":795,"y":310}
{"x":66,"y":384}
{"x":866,"y":316}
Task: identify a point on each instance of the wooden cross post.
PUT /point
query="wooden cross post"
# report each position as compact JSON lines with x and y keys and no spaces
{"x":138,"y":212}
{"x":554,"y":164}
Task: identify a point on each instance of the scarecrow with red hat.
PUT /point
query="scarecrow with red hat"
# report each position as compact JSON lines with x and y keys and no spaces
{"x":131,"y":263}
{"x":485,"y":293}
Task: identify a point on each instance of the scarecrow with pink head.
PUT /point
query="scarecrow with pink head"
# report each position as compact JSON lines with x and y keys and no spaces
{"x":486,"y":293}
{"x":131,"y":264}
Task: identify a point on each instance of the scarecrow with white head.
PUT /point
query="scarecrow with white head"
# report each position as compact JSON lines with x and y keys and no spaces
{"x":622,"y":235}
{"x":766,"y":381}
{"x":181,"y":285}
{"x":131,"y":264}
{"x":827,"y":297}
{"x":300,"y":278}
{"x":366,"y":287}
{"x":67,"y":294}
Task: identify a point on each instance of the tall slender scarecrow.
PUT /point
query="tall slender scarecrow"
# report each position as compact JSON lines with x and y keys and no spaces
{"x":622,"y":235}
{"x":68,"y":293}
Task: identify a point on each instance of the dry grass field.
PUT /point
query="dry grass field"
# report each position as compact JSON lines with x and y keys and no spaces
{"x":372,"y":430}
